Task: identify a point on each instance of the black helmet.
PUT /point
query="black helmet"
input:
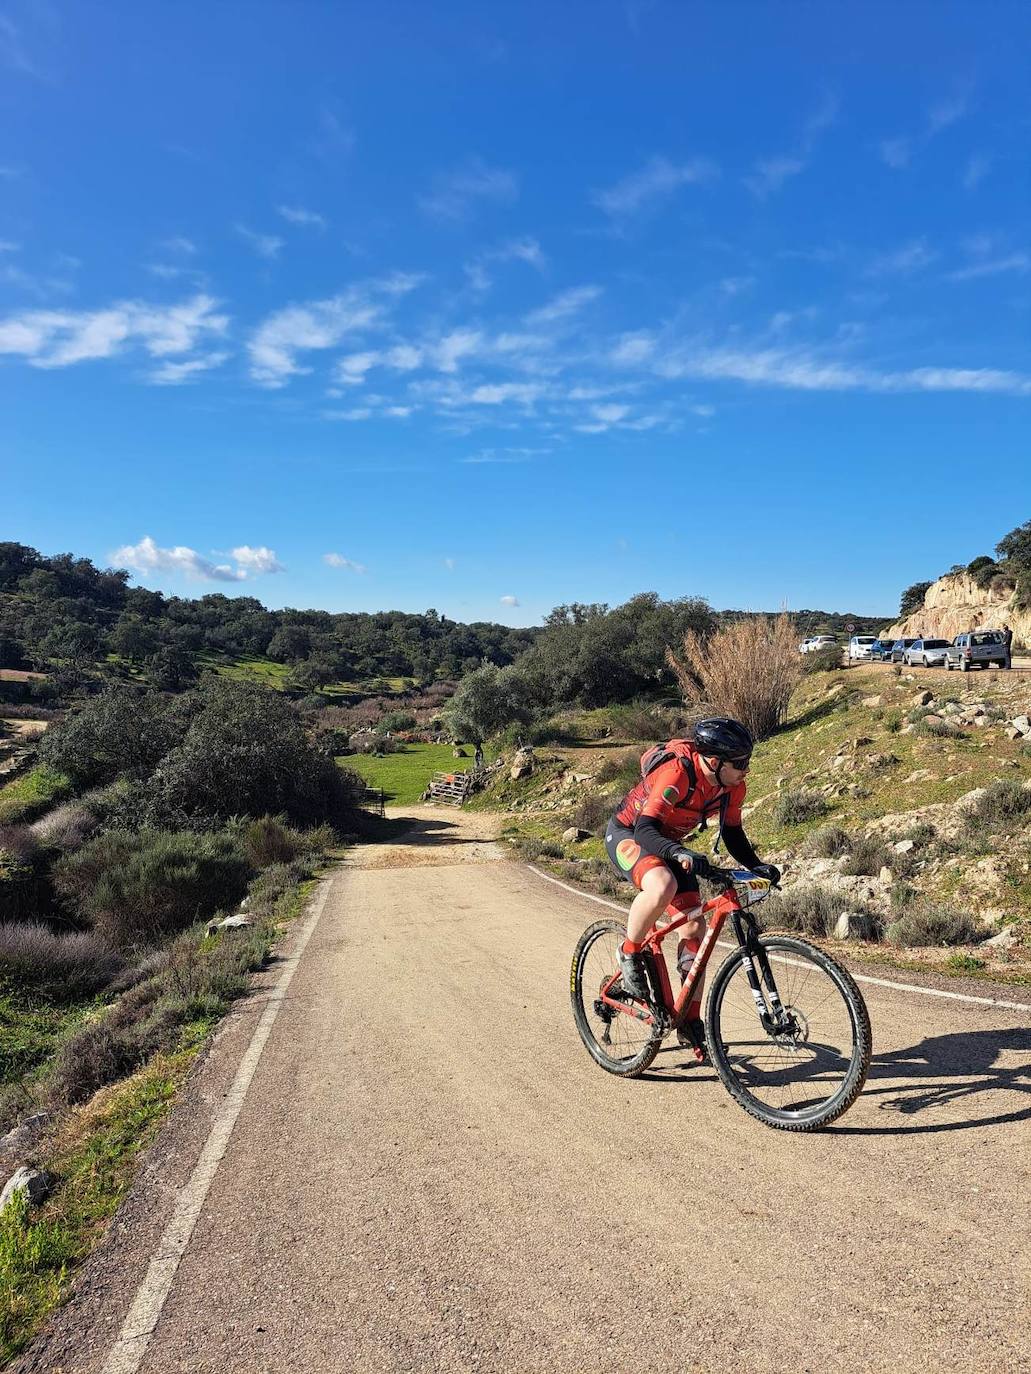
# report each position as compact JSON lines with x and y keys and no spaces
{"x":723,"y":738}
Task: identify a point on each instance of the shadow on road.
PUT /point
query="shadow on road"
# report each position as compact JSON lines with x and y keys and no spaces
{"x":938,"y":1073}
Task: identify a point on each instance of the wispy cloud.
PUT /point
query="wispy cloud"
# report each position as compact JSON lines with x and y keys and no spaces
{"x":449,"y":563}
{"x":148,"y":557}
{"x":14,"y":52}
{"x":337,"y":560}
{"x":799,"y":369}
{"x":525,"y":250}
{"x":455,"y":194}
{"x":911,"y":257}
{"x":993,"y":267}
{"x":897,"y":152}
{"x":176,"y":374}
{"x":564,"y":305}
{"x":276,"y":343}
{"x":510,"y":601}
{"x":305,"y":219}
{"x":656,"y":180}
{"x":975,"y":171}
{"x":57,"y":338}
{"x":265,"y":245}
{"x":178,"y":243}
{"x":769,"y":174}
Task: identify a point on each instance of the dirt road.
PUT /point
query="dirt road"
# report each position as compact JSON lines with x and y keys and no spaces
{"x":428,"y":1173}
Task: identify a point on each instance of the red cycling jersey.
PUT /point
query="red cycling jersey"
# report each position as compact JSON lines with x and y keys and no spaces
{"x":677,"y":805}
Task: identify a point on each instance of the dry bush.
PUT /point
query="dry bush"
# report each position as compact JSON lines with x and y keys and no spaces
{"x":592,"y":812}
{"x":67,"y":827}
{"x":746,"y":670}
{"x":798,"y":805}
{"x":63,"y":968}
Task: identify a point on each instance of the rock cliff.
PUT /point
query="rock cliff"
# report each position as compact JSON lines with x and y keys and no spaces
{"x":956,"y":603}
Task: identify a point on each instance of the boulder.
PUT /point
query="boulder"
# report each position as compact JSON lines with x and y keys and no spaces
{"x":575,"y":833}
{"x":886,"y":875}
{"x":923,"y":698}
{"x":1003,"y":941}
{"x":24,"y":1134}
{"x":518,"y":771}
{"x":873,"y":701}
{"x":854,"y":925}
{"x":934,"y":719}
{"x":236,"y":922}
{"x":904,"y":846}
{"x":1022,"y":723}
{"x":970,"y":800}
{"x":31,"y":1181}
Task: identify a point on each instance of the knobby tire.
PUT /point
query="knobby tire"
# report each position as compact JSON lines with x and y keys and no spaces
{"x":583,"y":994}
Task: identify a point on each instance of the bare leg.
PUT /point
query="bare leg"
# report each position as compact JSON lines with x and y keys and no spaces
{"x":658,"y":888}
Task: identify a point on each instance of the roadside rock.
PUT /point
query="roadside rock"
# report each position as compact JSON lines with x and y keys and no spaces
{"x":573,"y":834}
{"x":923,"y":698}
{"x":229,"y":923}
{"x":904,"y":846}
{"x":31,"y":1181}
{"x":873,"y":701}
{"x":970,"y":800}
{"x":854,"y":925}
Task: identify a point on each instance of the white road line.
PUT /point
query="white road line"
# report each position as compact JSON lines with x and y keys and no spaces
{"x":129,"y":1350}
{"x":859,"y":977}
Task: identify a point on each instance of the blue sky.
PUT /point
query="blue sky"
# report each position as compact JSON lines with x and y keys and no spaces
{"x":490,"y":307}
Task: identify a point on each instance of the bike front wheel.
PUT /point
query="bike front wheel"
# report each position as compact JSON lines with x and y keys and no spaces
{"x":618,"y":1041}
{"x":806,"y":1076}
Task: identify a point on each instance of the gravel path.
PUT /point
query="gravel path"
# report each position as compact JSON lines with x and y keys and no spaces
{"x":428,"y":1172}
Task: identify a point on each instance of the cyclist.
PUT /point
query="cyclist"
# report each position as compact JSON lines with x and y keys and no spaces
{"x":694,"y":779}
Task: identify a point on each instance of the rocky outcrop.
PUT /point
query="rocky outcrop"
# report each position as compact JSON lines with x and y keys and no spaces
{"x":956,"y":603}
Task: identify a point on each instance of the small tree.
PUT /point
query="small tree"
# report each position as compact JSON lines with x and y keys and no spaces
{"x":746,"y":670}
{"x":487,"y":701}
{"x":913,"y":598}
{"x":1016,"y":545}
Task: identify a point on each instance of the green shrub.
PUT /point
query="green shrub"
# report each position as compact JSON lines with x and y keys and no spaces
{"x":828,"y":842}
{"x":122,"y":732}
{"x":942,"y":728}
{"x":927,"y":922}
{"x":868,"y":856}
{"x":65,"y":827}
{"x":1004,"y":802}
{"x":823,"y":660}
{"x":921,"y":834}
{"x":136,"y":888}
{"x":893,"y":721}
{"x":624,"y":769}
{"x":397,"y":720}
{"x":551,"y":849}
{"x":799,"y":805}
{"x":62,"y":968}
{"x":592,"y":812}
{"x":810,"y":909}
{"x":269,"y":840}
{"x":642,"y":720}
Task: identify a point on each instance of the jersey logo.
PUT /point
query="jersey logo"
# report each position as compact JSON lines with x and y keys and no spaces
{"x":627,"y":854}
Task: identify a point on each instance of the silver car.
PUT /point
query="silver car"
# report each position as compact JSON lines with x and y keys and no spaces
{"x":929,"y":653}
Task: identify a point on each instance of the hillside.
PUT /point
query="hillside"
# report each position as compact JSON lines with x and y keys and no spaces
{"x":958,"y":602}
{"x":903,"y":800}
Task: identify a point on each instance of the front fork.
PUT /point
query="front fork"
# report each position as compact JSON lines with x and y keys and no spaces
{"x":772,"y":1014}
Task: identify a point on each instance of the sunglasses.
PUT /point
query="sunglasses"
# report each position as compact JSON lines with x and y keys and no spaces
{"x":742,"y":765}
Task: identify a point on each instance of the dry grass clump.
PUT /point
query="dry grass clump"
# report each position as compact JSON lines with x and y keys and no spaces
{"x":1004,"y":803}
{"x":798,"y":805}
{"x":868,"y":856}
{"x":624,"y":769}
{"x":746,"y":670}
{"x":811,"y":910}
{"x":62,"y":968}
{"x":592,"y":812}
{"x":927,"y":922}
{"x":828,"y":842}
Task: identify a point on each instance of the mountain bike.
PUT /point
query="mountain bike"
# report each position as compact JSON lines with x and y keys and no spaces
{"x":786,"y":1027}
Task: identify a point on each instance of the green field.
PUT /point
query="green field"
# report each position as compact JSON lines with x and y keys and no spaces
{"x":405,"y":776}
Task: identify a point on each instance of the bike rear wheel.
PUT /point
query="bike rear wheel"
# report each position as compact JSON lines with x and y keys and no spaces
{"x":620,"y":1043}
{"x":806,"y":1078}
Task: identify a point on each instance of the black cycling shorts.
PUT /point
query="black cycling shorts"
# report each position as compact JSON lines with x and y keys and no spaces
{"x":631,"y":863}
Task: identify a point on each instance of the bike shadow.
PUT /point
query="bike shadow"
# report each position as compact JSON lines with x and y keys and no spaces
{"x":941,"y":1071}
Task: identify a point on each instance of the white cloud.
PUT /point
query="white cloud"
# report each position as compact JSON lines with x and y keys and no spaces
{"x":492,"y":394}
{"x":514,"y":250}
{"x":911,"y":257}
{"x":274,"y":345}
{"x":449,"y":563}
{"x":976,"y":170}
{"x":265,"y":245}
{"x":562,"y":306}
{"x":305,"y":219}
{"x":803,"y":370}
{"x":56,"y":338}
{"x":353,"y":368}
{"x":405,"y":357}
{"x":337,"y":560}
{"x":455,"y":193}
{"x":993,"y":267}
{"x":733,"y":286}
{"x":175,"y":374}
{"x":510,"y":601}
{"x":257,"y":561}
{"x":146,"y":557}
{"x":947,"y":112}
{"x":770,"y":174}
{"x":453,"y":347}
{"x":358,"y":413}
{"x":632,"y":349}
{"x":898,"y":152}
{"x":657,"y":179}
{"x":178,"y":244}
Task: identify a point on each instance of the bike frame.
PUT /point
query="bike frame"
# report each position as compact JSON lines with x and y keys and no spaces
{"x":716,"y":912}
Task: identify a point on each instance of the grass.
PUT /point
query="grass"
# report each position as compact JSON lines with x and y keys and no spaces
{"x":32,"y":1030}
{"x":94,"y":1159}
{"x":406,"y":775}
{"x":33,"y":793}
{"x":268,"y":673}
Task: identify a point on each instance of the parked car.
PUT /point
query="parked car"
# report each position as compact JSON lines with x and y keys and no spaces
{"x":899,"y":648}
{"x":977,"y":649}
{"x":815,"y":642}
{"x":930,"y":653}
{"x":880,"y":650}
{"x":859,"y":646}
